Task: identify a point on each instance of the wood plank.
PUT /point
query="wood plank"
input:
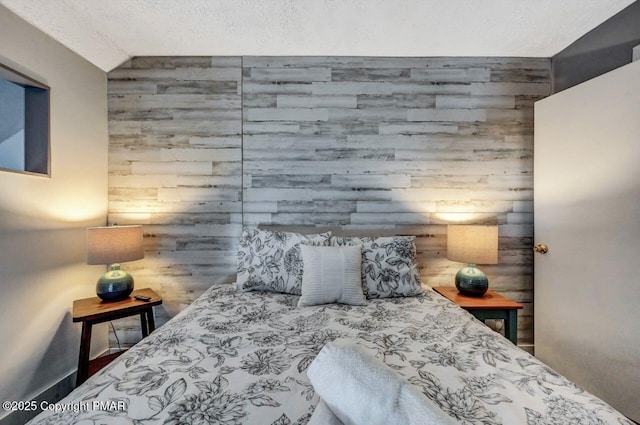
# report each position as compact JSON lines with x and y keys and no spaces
{"x":490,"y":300}
{"x":201,"y":146}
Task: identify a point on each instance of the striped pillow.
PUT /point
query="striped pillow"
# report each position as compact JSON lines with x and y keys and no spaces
{"x":331,"y":275}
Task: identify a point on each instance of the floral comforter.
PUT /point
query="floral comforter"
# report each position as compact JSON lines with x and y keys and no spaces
{"x":241,"y":358}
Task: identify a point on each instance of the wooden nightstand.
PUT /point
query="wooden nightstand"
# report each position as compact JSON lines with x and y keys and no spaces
{"x":91,"y":311}
{"x":489,"y":306}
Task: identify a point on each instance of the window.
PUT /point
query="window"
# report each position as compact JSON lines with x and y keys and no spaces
{"x":24,"y":123}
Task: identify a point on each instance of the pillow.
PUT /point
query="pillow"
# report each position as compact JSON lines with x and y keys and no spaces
{"x":331,"y":274}
{"x":271,"y":261}
{"x":389,"y":265}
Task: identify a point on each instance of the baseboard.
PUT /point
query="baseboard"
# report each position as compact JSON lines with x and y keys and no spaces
{"x":529,"y":348}
{"x":53,"y":394}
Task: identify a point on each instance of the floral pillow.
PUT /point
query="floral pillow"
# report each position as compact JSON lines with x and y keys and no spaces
{"x":389,"y":265}
{"x":271,"y":261}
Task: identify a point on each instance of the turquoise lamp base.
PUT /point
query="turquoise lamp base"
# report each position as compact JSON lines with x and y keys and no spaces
{"x":114,"y":285}
{"x":472,"y":281}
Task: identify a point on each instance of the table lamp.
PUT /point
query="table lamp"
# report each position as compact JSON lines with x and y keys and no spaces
{"x":472,"y":245}
{"x":111,"y":246}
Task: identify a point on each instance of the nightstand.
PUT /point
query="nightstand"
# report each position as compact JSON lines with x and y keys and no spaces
{"x":489,"y":306}
{"x":91,"y":311}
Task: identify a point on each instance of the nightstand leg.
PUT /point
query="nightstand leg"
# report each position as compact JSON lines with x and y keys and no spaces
{"x":511,"y":326}
{"x":143,"y":324}
{"x":152,"y":323}
{"x":83,"y":359}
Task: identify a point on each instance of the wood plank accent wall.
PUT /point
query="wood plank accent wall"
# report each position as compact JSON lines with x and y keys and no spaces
{"x":393,"y":145}
{"x":175,"y":167}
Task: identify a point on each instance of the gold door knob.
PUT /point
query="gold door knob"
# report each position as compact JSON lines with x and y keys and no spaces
{"x":541,"y":248}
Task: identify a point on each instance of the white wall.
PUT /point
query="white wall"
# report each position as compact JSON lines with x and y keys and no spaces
{"x":43,"y":220}
{"x":587,"y":209}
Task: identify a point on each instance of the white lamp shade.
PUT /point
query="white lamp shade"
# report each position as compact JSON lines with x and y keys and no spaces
{"x":115,"y":244}
{"x":473,"y":244}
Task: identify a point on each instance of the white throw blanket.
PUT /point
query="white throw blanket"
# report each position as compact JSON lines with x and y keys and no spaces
{"x":361,"y":390}
{"x":322,"y":415}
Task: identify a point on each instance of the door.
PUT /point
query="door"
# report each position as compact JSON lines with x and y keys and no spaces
{"x":587,"y":210}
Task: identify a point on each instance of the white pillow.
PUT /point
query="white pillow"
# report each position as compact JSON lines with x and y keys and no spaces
{"x":331,"y":274}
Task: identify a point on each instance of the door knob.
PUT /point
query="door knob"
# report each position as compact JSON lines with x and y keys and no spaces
{"x":541,"y":248}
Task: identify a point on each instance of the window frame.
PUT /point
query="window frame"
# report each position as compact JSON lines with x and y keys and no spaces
{"x":34,"y":90}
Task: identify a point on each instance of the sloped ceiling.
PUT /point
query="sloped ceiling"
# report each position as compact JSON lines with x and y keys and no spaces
{"x":108,"y":32}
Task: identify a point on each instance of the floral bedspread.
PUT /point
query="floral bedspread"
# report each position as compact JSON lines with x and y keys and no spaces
{"x":241,"y":358}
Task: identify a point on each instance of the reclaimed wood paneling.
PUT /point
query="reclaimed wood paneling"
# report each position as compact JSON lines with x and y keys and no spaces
{"x":398,"y":145}
{"x":175,"y":167}
{"x":200,"y":146}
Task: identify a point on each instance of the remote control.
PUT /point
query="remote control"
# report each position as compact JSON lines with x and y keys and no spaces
{"x":142,"y":297}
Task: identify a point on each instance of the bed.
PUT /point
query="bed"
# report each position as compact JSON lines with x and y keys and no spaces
{"x":235,"y":357}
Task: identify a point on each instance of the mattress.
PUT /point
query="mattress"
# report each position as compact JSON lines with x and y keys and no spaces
{"x":241,"y":358}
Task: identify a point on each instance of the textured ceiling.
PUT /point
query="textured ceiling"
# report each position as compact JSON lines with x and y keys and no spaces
{"x":108,"y":32}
